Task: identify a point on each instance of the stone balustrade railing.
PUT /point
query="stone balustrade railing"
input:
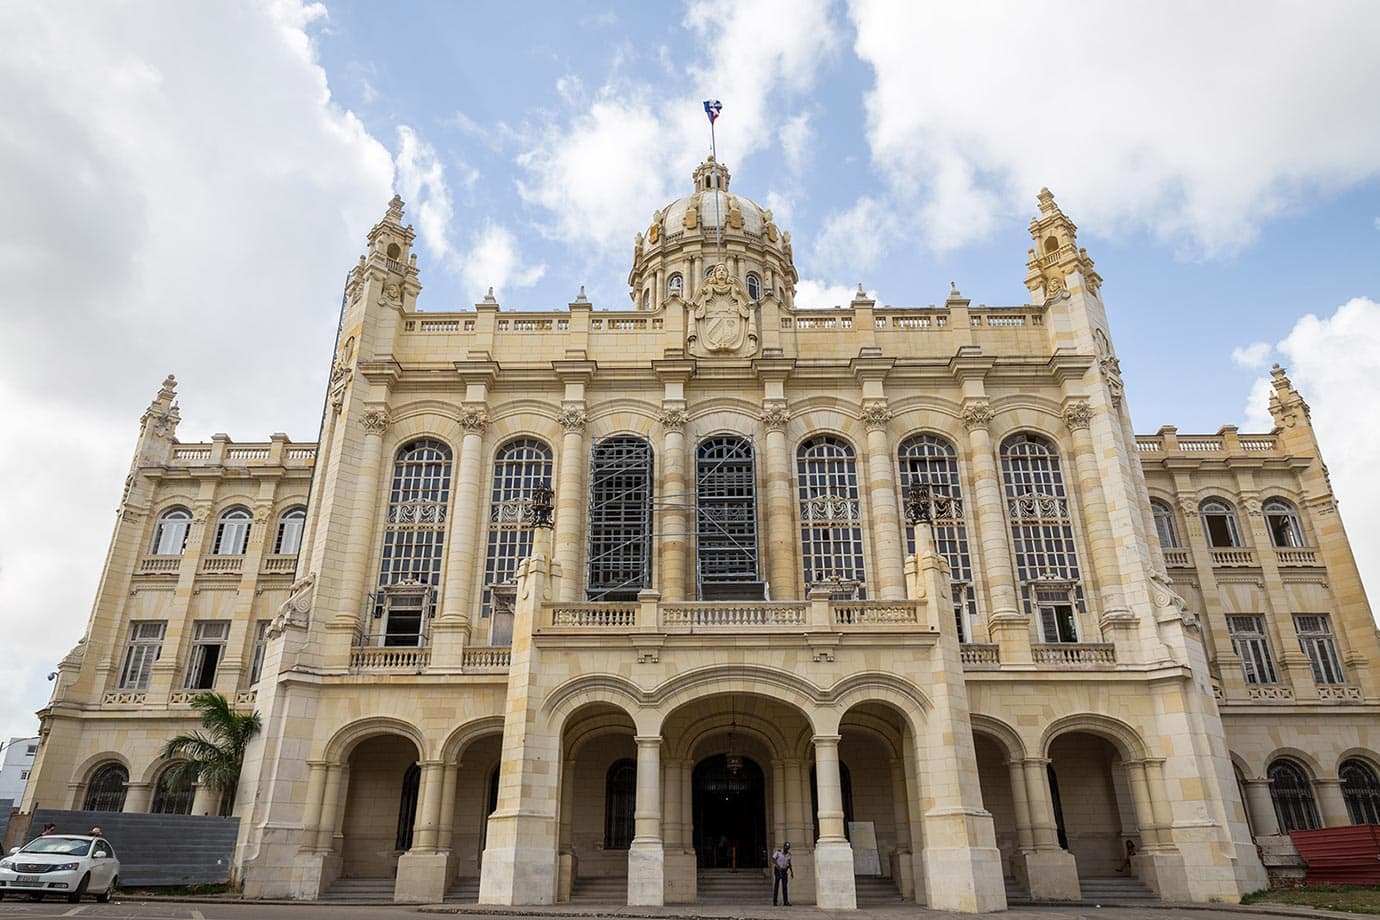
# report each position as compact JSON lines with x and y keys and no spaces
{"x":595,"y":616}
{"x":875,"y":613}
{"x":124,"y":698}
{"x":1270,"y":693}
{"x":977,"y":655}
{"x":1073,"y":653}
{"x":295,"y":455}
{"x":1233,"y":557}
{"x":160,"y":565}
{"x":1339,"y":693}
{"x":1177,"y":559}
{"x":1301,"y":555}
{"x":280,"y":565}
{"x":486,"y":659}
{"x":222,"y":565}
{"x":1204,"y":443}
{"x":733,"y":616}
{"x":389,"y":658}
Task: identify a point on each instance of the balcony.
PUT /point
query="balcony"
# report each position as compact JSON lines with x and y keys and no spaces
{"x":160,"y":565}
{"x":222,"y":565}
{"x":1074,"y":653}
{"x":1339,"y":693}
{"x":279,"y":565}
{"x":1178,"y":559}
{"x":978,"y":656}
{"x":1296,"y":556}
{"x":496,"y":659}
{"x":389,"y":658}
{"x":734,"y":616}
{"x":1233,"y":557}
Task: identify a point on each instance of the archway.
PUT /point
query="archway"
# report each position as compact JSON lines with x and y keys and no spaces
{"x":380,"y":806}
{"x":729,"y":803}
{"x":1093,"y":808}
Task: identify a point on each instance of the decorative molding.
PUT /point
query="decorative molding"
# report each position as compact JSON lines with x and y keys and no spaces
{"x":1111,"y":372}
{"x":977,"y":415}
{"x":776,"y":417}
{"x":673,"y":419}
{"x":1078,"y":415}
{"x":1252,"y":506}
{"x":374,"y":421}
{"x":572,"y":420}
{"x":474,"y":420}
{"x":875,"y":415}
{"x":1188,"y":506}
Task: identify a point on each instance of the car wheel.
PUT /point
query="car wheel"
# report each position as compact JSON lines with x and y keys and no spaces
{"x":105,"y":896}
{"x":75,"y":896}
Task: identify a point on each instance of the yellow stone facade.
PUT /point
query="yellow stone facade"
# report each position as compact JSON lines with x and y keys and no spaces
{"x":739,"y":627}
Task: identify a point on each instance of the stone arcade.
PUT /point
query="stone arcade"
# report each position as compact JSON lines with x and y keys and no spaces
{"x":899,"y":585}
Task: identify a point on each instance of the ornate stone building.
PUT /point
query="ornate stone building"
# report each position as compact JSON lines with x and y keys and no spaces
{"x":900,"y":585}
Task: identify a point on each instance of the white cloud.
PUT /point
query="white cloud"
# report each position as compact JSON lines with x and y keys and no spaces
{"x":811,"y":293}
{"x":422,"y":184}
{"x":493,"y":260}
{"x":178,"y":180}
{"x":797,"y":137}
{"x":1196,"y":121}
{"x":1256,"y":354}
{"x":856,"y":238}
{"x":1334,"y":362}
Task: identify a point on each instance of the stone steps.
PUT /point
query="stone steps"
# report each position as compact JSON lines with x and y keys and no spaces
{"x":464,"y":891}
{"x":876,"y":892}
{"x":599,"y":889}
{"x":1117,"y":889}
{"x":722,"y":886}
{"x":360,"y":889}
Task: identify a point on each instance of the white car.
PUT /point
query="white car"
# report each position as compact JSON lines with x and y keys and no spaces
{"x":61,"y":864}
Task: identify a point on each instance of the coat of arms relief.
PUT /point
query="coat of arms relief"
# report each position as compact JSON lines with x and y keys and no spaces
{"x":722,"y":320}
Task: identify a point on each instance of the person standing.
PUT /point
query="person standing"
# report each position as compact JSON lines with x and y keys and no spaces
{"x":782,"y":869}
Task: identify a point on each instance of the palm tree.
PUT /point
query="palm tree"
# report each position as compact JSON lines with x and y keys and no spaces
{"x":215,"y":757}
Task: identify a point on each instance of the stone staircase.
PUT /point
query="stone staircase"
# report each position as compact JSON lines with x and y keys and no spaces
{"x":373,"y":890}
{"x":1015,"y":891}
{"x":1116,"y":889}
{"x":599,"y":889}
{"x":464,"y":891}
{"x":877,"y":892}
{"x":723,"y":886}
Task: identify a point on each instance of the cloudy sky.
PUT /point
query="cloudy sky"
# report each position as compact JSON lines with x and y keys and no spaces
{"x":185,"y":185}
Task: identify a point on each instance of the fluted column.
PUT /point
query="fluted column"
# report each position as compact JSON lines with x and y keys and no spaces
{"x":783,"y":570}
{"x":330,"y":808}
{"x":1261,"y":805}
{"x":647,"y":855}
{"x":570,"y":502}
{"x":991,"y":522}
{"x":886,"y":523}
{"x":429,"y":806}
{"x":678,"y":500}
{"x":1093,"y":502}
{"x":463,"y":535}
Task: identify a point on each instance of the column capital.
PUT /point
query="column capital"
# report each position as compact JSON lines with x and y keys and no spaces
{"x":673,"y":419}
{"x":875,"y":415}
{"x":647,"y":740}
{"x":775,"y":416}
{"x":826,"y":740}
{"x":573,"y":419}
{"x":474,"y":420}
{"x":1078,"y":415}
{"x":977,"y":413}
{"x":374,"y":420}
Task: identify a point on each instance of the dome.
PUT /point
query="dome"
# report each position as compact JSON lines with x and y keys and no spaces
{"x":714,"y":206}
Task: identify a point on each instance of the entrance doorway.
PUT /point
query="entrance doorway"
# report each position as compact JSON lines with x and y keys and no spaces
{"x":730,"y":810}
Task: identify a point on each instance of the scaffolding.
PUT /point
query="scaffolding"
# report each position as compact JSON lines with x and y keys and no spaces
{"x":726,"y":563}
{"x":620,"y":519}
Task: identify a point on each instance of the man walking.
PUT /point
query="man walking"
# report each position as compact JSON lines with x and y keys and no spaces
{"x":781,"y":867}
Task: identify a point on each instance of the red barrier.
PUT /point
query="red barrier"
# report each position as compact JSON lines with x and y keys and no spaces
{"x":1341,"y":855}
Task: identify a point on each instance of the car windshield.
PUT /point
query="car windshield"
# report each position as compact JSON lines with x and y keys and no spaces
{"x":61,"y":846}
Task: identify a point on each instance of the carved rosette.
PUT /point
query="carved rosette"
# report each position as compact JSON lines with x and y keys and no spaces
{"x":1189,"y":507}
{"x":776,"y":417}
{"x":977,"y":415}
{"x":1078,"y":416}
{"x":474,"y":420}
{"x":374,"y":421}
{"x":673,"y":419}
{"x":1252,"y":506}
{"x":572,"y":420}
{"x":875,"y":415}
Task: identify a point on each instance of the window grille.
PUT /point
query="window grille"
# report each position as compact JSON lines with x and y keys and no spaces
{"x":208,"y":647}
{"x":173,"y":796}
{"x":1041,"y":526}
{"x":143,"y":649}
{"x":106,"y":789}
{"x":620,"y":518}
{"x":1361,"y":790}
{"x":170,"y":537}
{"x":232,"y":533}
{"x":830,"y":513}
{"x":1293,"y":797}
{"x":620,"y":799}
{"x":1316,"y":641}
{"x":415,"y":531}
{"x":726,"y":520}
{"x":256,"y":664}
{"x":1219,"y":523}
{"x":1283,"y":523}
{"x":519,"y":467}
{"x":1250,"y":643}
{"x":289,"y":539}
{"x":1164,"y":525}
{"x":926,"y":459}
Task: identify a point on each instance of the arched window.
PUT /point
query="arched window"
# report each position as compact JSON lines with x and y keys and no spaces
{"x":1293,"y":797}
{"x":675,"y":285}
{"x":1042,"y":534}
{"x":928,"y":460}
{"x":1219,"y":523}
{"x":173,"y":793}
{"x":830,"y":516}
{"x":519,"y":467}
{"x":754,"y":287}
{"x":170,"y":536}
{"x":1361,"y":790}
{"x":620,"y":518}
{"x":1283,"y":523}
{"x":726,"y":520}
{"x":413,"y":542}
{"x":232,"y":532}
{"x":620,"y":802}
{"x":407,"y":807}
{"x":647,"y":299}
{"x":1164,"y":524}
{"x":106,"y":789}
{"x":289,"y":538}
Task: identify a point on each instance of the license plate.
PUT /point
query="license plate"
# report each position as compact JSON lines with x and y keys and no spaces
{"x":27,"y":878}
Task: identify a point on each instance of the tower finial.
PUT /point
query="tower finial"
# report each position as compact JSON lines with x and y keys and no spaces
{"x":395,"y":208}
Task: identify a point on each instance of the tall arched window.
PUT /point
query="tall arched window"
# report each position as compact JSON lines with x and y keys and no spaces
{"x":519,"y":467}
{"x":726,"y":520}
{"x":675,"y":285}
{"x":1293,"y":797}
{"x":831,"y":547}
{"x":289,"y":538}
{"x":620,"y":518}
{"x":173,"y":793}
{"x":1282,"y":520}
{"x":1219,"y":523}
{"x":413,"y":542}
{"x":929,"y":460}
{"x":1164,"y":524}
{"x":620,"y":802}
{"x":1042,"y":534}
{"x":754,"y":287}
{"x":106,"y":789}
{"x":1361,"y":790}
{"x":232,"y":532}
{"x":170,"y":536}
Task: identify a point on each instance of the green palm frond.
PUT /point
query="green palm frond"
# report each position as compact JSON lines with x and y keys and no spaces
{"x":213,"y":757}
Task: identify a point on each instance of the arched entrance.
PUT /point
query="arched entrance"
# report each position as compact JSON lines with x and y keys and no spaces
{"x":1091,"y":796}
{"x":380,"y":806}
{"x":729,"y":803}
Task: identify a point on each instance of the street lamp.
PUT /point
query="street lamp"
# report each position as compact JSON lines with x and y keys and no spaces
{"x":540,"y":505}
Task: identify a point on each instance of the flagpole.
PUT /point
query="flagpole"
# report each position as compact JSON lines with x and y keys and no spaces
{"x":718,"y":217}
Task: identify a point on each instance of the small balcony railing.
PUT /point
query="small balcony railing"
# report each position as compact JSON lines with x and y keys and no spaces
{"x":734,"y":616}
{"x":160,"y":565}
{"x":979,"y":655}
{"x":1296,"y":555}
{"x":1074,"y":653}
{"x":279,"y":565}
{"x":389,"y":658}
{"x":222,"y":565}
{"x":1178,"y":559}
{"x":1233,"y":557}
{"x":487,"y":659}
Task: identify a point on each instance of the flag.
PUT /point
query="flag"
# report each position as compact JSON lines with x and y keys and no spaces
{"x":712,"y":108}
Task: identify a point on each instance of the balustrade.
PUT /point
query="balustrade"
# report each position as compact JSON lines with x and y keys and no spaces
{"x":387,"y":658}
{"x":861,"y":613}
{"x":160,"y":565}
{"x":733,"y":615}
{"x":1177,"y":559}
{"x":1296,"y":556}
{"x":486,"y":659}
{"x":1233,"y":557}
{"x":1070,"y":653}
{"x":595,"y":616}
{"x":1339,"y":693}
{"x":222,"y":565}
{"x":978,"y":655}
{"x":280,"y":564}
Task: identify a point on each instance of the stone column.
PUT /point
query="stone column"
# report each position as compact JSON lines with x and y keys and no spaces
{"x":429,"y":806}
{"x":422,"y":869}
{"x":1025,"y":835}
{"x":1159,"y":801}
{"x":1332,"y":803}
{"x":565,"y":833}
{"x":1101,"y":548}
{"x":451,"y":631}
{"x":886,"y":522}
{"x":206,"y":800}
{"x":330,"y":808}
{"x":670,"y":798}
{"x":778,"y":804}
{"x":783,"y":569}
{"x":137,"y":797}
{"x":446,"y":832}
{"x":834,"y":888}
{"x":646,"y":857}
{"x":1140,"y":794}
{"x":1261,"y":805}
{"x":1049,"y":872}
{"x":903,"y":869}
{"x":679,"y":501}
{"x":311,"y":818}
{"x":570,"y":500}
{"x":375,"y":422}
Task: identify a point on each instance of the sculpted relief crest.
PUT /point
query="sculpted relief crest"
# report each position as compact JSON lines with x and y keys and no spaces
{"x":722,"y":320}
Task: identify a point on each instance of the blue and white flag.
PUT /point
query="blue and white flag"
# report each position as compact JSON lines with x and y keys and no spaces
{"x":712,"y":107}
